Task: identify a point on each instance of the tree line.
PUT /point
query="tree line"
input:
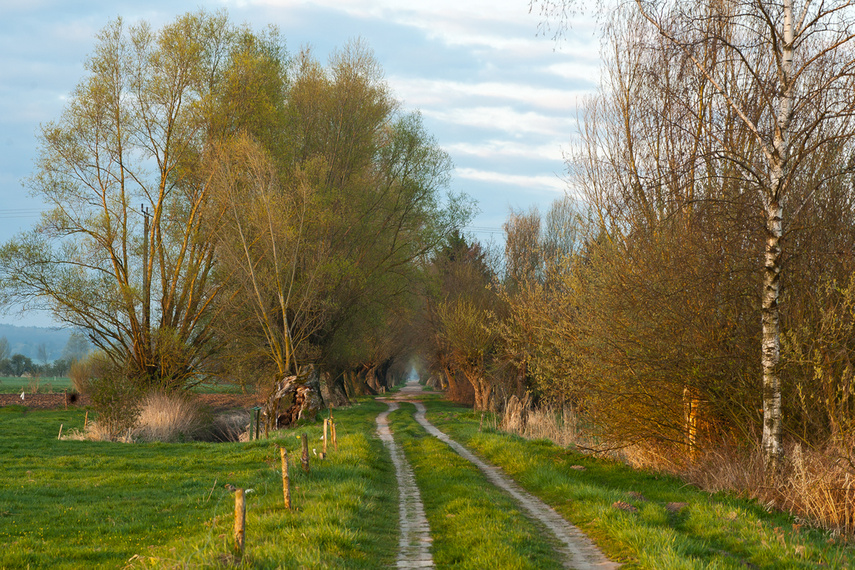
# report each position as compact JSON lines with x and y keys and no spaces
{"x":17,"y":365}
{"x":221,"y":208}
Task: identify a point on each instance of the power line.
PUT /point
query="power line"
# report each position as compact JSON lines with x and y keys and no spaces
{"x":11,"y":213}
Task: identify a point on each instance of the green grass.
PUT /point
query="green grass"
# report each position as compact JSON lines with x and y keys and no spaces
{"x":712,"y":531}
{"x":14,"y":385}
{"x":473,"y":524}
{"x":79,"y":504}
{"x":73,"y":504}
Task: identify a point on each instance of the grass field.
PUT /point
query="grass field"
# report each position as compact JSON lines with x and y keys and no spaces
{"x":75,"y":504}
{"x":78,"y":504}
{"x":14,"y":385}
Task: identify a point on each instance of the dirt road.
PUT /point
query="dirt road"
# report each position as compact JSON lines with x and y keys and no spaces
{"x":575,"y":548}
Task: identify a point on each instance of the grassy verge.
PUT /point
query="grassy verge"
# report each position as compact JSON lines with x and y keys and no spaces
{"x":473,"y":524}
{"x":74,"y":504}
{"x":644,"y":519}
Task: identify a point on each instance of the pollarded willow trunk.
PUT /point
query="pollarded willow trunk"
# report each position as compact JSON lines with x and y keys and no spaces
{"x":482,"y":387}
{"x":773,"y":451}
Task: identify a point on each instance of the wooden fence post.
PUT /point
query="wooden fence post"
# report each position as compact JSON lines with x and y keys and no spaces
{"x":240,"y":521}
{"x":305,"y":458}
{"x":334,"y":439}
{"x":326,"y":425}
{"x":286,"y":482}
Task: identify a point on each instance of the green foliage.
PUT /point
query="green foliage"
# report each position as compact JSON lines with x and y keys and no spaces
{"x":117,"y":401}
{"x":324,"y":232}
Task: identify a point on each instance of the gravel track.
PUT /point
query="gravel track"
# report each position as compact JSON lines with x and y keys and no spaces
{"x":576,"y":549}
{"x":415,"y":541}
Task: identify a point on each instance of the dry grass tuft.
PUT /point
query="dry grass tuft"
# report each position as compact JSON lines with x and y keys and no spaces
{"x":167,"y":418}
{"x":820,"y":486}
{"x":558,"y":425}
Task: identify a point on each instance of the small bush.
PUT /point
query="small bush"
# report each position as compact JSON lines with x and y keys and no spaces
{"x":117,"y":402}
{"x":80,"y":374}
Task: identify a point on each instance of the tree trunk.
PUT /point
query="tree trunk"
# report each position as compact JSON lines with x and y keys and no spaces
{"x":773,"y":451}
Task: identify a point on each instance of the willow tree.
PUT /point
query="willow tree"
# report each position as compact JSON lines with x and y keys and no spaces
{"x":123,"y":252}
{"x":325,"y":232}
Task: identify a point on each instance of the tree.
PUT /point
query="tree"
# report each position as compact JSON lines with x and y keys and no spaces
{"x":76,"y":348}
{"x":20,"y":365}
{"x":782,"y":71}
{"x":326,"y":233}
{"x":457,"y":340}
{"x":138,"y":280}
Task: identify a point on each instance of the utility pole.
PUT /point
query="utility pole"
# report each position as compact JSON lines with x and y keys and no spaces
{"x":146,"y":292}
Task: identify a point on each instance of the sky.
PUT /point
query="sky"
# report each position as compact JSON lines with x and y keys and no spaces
{"x":499,"y":96}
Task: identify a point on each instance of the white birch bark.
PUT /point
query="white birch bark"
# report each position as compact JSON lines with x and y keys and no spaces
{"x":771,"y":442}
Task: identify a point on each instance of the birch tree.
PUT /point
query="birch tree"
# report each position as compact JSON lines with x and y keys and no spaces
{"x":784,"y":71}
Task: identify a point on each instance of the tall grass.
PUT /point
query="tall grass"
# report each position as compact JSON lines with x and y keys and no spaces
{"x":559,"y":425}
{"x":817,"y":485}
{"x":167,"y":418}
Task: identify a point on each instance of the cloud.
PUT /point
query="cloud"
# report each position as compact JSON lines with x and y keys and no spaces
{"x":431,"y":91}
{"x":535,"y":182}
{"x":497,"y":149}
{"x":504,"y":119}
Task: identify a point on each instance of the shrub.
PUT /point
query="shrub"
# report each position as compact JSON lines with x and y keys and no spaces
{"x":117,"y":402}
{"x":80,"y":374}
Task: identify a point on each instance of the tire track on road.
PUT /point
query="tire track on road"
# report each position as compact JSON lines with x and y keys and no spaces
{"x":415,"y":541}
{"x":578,"y":551}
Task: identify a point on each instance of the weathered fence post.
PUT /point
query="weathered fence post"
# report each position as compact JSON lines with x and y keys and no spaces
{"x":240,"y":521}
{"x":334,"y":439}
{"x":305,"y":458}
{"x":326,"y":425}
{"x":286,"y":482}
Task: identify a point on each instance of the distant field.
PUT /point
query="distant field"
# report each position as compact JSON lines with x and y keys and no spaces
{"x":13,"y":385}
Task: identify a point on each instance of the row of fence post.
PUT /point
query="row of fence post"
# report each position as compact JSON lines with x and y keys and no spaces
{"x":240,"y":494}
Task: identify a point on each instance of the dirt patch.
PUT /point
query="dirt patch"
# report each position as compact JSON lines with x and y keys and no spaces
{"x":44,"y":401}
{"x":216,"y":402}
